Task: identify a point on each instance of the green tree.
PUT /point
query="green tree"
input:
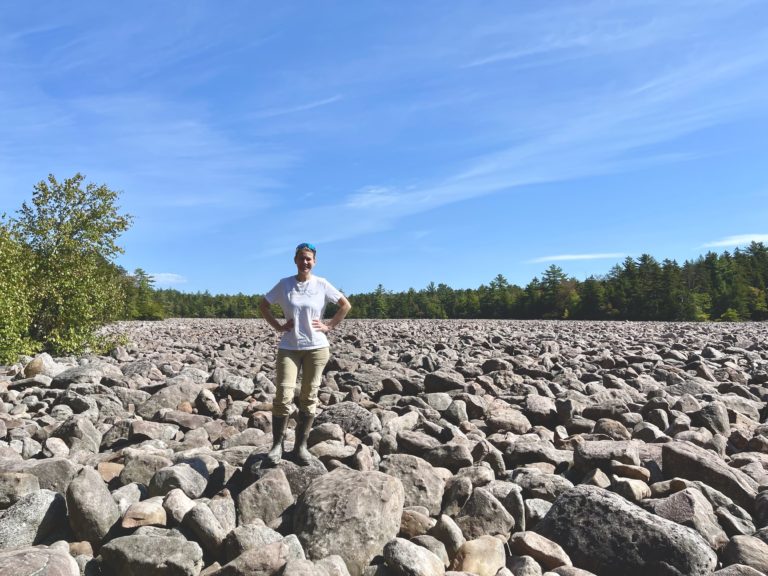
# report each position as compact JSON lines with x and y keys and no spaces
{"x":647,"y":292}
{"x":15,"y":308}
{"x":72,"y":231}
{"x":146,"y":306}
{"x":380,"y":303}
{"x":558,"y":292}
{"x":592,"y":302}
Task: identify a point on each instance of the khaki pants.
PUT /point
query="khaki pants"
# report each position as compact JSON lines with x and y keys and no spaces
{"x":312,"y":363}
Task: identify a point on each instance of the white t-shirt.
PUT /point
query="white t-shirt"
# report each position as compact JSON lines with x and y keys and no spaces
{"x":303,"y":302}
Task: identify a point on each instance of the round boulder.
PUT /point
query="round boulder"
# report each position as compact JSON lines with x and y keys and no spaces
{"x":349,"y":513}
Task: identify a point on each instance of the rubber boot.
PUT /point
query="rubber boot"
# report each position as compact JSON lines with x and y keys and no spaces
{"x":300,"y":452}
{"x":279,"y":424}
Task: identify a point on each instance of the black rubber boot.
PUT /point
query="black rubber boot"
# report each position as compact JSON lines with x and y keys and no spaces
{"x":300,"y":452}
{"x":279,"y":424}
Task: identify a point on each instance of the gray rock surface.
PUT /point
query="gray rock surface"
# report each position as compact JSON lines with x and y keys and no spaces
{"x":483,"y":425}
{"x":422,"y":484}
{"x":351,"y":514}
{"x":405,"y":558}
{"x":38,"y":561}
{"x":592,"y":524}
{"x":36,"y":518}
{"x":151,"y":556}
{"x":91,"y":508}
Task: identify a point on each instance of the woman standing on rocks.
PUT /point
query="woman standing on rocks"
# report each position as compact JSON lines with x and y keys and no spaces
{"x":303,"y":345}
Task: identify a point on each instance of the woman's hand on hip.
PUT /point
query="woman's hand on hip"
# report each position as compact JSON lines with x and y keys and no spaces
{"x":287,"y":326}
{"x":320,"y":326}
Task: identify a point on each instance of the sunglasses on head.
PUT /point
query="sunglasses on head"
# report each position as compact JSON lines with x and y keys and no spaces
{"x":306,"y":246}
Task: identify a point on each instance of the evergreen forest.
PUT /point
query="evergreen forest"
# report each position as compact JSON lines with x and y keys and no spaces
{"x":730,"y":286}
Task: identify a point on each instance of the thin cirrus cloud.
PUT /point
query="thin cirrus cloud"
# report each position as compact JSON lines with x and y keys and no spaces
{"x":570,"y":257}
{"x":738,"y":240}
{"x":168,"y":278}
{"x":272,"y":112}
{"x":609,"y":132}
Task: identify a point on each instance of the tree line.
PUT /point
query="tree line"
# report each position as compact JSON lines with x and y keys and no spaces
{"x":59,"y":283}
{"x":730,"y":286}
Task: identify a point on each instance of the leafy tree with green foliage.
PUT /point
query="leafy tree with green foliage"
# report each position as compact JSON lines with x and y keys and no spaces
{"x":15,"y":309}
{"x":71,"y":231}
{"x":592,"y":300}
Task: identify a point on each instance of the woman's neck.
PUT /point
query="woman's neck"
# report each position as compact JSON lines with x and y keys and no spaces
{"x":303,"y":277}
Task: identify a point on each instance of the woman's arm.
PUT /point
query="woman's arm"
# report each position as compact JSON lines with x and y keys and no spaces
{"x":344,"y":308}
{"x":266,"y":313}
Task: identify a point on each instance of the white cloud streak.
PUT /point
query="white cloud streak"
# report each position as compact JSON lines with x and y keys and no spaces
{"x":570,"y":257}
{"x":607,"y":129}
{"x":272,"y":112}
{"x":167,"y":278}
{"x":738,"y":240}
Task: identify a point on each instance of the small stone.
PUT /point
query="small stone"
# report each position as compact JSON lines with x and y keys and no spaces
{"x":148,"y":512}
{"x":15,"y":485}
{"x":408,"y":559}
{"x":484,"y":556}
{"x":546,"y":552}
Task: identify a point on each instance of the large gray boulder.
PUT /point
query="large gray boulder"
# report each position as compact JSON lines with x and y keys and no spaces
{"x":14,"y":485}
{"x":42,"y":364}
{"x":267,"y":560}
{"x":38,"y":561}
{"x":238,"y":387}
{"x":747,"y":550}
{"x":54,"y":473}
{"x":33,"y":519}
{"x":690,"y":508}
{"x":169,"y":397}
{"x":246,"y":537}
{"x":422,"y":484}
{"x":265,"y":499}
{"x":191,"y":477}
{"x":349,"y":513}
{"x":353,"y":418}
{"x":405,"y":558}
{"x":483,"y":514}
{"x":92,"y":510}
{"x":151,"y":556}
{"x":78,"y":375}
{"x":686,"y":460}
{"x":79,"y":433}
{"x":606,"y":534}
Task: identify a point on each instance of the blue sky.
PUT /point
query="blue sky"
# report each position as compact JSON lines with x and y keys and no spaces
{"x":411,"y":141}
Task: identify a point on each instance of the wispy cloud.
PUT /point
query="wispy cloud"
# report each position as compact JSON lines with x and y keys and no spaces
{"x":630,"y":124}
{"x":167,"y":278}
{"x":569,"y":257}
{"x":374,"y":197}
{"x":272,"y":112}
{"x":738,"y":240}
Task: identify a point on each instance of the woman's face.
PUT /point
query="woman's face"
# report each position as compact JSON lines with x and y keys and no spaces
{"x":305,"y":261}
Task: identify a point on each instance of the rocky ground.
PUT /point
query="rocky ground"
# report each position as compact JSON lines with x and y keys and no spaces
{"x":443,"y":447}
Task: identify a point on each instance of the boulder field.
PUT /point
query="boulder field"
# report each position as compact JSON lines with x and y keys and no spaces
{"x":486,"y":448}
